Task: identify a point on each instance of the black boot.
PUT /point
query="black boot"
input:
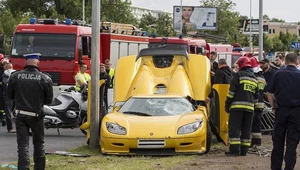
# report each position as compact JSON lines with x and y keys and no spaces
{"x":234,"y":150}
{"x":244,"y":150}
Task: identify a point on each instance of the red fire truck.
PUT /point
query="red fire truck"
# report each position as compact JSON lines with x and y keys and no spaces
{"x":64,"y":44}
{"x":195,"y":46}
{"x":192,"y":45}
{"x":223,"y":51}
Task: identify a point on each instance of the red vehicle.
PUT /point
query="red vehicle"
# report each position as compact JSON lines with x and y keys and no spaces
{"x":63,"y":45}
{"x":195,"y":46}
{"x":223,"y":51}
{"x":192,"y":45}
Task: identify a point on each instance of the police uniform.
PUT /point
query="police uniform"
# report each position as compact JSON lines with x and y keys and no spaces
{"x":284,"y":84}
{"x":240,"y":105}
{"x":30,"y":89}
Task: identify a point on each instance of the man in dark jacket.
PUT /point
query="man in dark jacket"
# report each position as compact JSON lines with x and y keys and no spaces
{"x":106,"y":77}
{"x":30,"y":89}
{"x":224,"y":74}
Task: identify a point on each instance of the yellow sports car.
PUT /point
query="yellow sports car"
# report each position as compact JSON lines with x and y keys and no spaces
{"x":156,"y":124}
{"x":161,"y":107}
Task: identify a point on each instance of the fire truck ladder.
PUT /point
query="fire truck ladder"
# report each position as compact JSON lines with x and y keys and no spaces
{"x":118,"y":28}
{"x":210,"y":36}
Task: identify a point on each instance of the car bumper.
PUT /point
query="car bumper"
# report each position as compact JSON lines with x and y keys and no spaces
{"x":170,"y":146}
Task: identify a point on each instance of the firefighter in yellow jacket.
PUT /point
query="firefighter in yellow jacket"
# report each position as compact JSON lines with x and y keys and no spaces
{"x":110,"y":71}
{"x":82,"y":77}
{"x":240,"y":106}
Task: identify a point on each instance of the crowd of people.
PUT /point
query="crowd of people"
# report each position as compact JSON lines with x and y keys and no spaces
{"x":249,"y":84}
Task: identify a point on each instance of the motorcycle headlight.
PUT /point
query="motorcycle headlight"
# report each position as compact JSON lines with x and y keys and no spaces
{"x":189,"y":128}
{"x":115,"y":128}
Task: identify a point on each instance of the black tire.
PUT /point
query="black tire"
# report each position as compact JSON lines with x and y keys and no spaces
{"x":83,"y":120}
{"x":208,"y":138}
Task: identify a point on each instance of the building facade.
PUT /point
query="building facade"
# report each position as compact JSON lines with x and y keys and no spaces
{"x":274,"y":28}
{"x":138,"y":12}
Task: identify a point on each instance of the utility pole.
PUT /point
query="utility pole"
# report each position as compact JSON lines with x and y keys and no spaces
{"x":261,"y":31}
{"x":83,"y":10}
{"x":181,"y":24}
{"x":95,"y":62}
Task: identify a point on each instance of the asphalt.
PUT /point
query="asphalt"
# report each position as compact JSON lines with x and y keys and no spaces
{"x":68,"y":139}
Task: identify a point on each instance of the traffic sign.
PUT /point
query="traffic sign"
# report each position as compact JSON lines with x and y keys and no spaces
{"x":295,"y":45}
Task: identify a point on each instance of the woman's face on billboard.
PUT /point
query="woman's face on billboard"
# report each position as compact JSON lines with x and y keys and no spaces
{"x":187,"y":12}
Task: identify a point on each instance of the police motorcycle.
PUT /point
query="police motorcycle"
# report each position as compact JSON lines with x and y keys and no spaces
{"x":64,"y":111}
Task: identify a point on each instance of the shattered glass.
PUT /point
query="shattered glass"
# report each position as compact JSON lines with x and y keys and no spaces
{"x":158,"y":106}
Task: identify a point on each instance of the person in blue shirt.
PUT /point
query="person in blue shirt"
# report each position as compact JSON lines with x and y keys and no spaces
{"x":283,"y":87}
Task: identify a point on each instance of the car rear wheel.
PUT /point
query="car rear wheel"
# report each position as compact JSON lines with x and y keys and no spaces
{"x":208,"y":138}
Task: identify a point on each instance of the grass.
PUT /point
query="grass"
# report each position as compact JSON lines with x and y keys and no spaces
{"x":98,"y":161}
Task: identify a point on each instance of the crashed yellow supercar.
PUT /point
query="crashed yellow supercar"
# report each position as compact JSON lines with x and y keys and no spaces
{"x":159,"y":105}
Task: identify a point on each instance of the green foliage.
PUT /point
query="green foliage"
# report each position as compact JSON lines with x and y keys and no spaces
{"x":117,"y":11}
{"x":227,"y":19}
{"x":161,"y":26}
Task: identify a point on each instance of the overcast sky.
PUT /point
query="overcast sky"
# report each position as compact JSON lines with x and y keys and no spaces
{"x":287,"y":10}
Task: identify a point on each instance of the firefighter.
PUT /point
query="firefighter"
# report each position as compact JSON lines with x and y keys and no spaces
{"x":110,"y":71}
{"x":82,"y":77}
{"x":283,"y":87}
{"x":240,"y":106}
{"x":259,"y":104}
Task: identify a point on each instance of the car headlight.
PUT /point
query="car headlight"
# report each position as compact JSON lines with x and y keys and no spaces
{"x":189,"y":128}
{"x":115,"y":128}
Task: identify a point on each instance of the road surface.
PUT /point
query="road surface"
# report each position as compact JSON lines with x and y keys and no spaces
{"x":68,"y":139}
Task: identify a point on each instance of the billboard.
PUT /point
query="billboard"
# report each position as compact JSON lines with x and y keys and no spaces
{"x":195,"y":17}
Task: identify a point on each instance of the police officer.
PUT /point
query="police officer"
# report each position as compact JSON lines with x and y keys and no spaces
{"x":283,"y":87}
{"x":30,"y":89}
{"x":259,"y":104}
{"x":240,"y":105}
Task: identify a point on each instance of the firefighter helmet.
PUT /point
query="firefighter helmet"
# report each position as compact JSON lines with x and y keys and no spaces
{"x":243,"y":62}
{"x":1,"y":56}
{"x":248,"y":55}
{"x":254,"y":62}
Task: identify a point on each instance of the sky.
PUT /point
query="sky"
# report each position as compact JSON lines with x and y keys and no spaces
{"x":281,"y":9}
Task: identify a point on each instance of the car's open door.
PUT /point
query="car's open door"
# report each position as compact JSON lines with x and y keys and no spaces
{"x":218,"y":116}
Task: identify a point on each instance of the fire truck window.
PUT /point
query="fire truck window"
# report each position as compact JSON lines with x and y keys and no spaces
{"x":192,"y":49}
{"x":48,"y":45}
{"x":84,"y":41}
{"x":164,"y":61}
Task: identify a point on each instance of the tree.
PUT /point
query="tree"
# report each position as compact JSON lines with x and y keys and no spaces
{"x":118,"y":11}
{"x":227,"y":20}
{"x":164,"y":25}
{"x":148,"y":23}
{"x":276,"y":20}
{"x":266,"y":17}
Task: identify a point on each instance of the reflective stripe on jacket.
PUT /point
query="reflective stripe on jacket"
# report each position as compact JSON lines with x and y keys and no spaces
{"x":243,"y":91}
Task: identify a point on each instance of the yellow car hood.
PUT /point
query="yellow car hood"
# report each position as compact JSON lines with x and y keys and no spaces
{"x":152,"y":126}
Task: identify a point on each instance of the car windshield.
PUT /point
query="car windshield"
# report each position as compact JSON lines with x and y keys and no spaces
{"x":157,"y":106}
{"x":48,"y":45}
